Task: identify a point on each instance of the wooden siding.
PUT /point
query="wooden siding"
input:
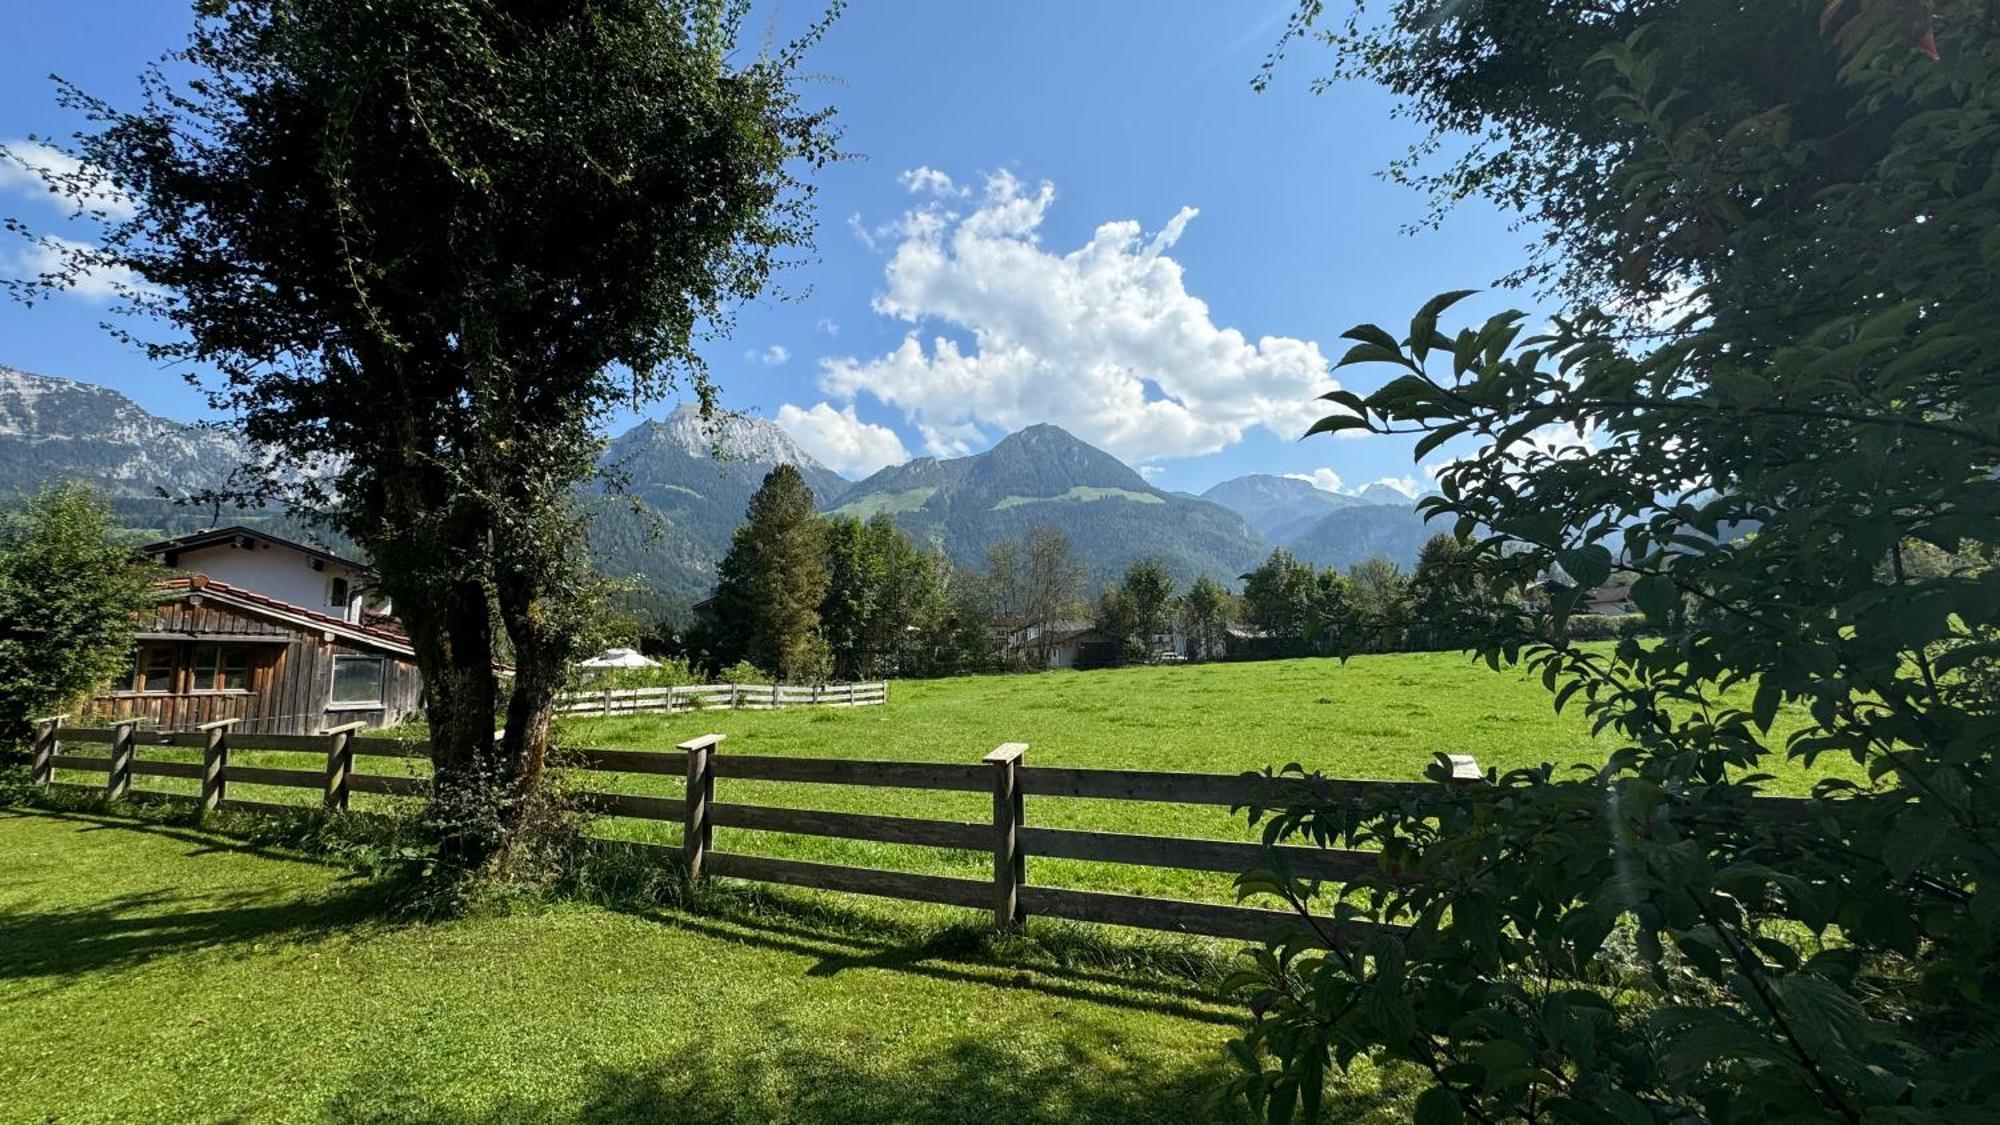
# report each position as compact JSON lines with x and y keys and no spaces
{"x":291,"y":676}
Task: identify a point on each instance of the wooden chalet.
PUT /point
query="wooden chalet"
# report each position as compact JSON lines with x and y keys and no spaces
{"x":215,"y":650}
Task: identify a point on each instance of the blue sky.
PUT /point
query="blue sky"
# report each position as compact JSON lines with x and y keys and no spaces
{"x":970,"y":274}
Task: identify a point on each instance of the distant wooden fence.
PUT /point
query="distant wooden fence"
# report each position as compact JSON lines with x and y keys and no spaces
{"x":1008,"y":835}
{"x":693,"y":697}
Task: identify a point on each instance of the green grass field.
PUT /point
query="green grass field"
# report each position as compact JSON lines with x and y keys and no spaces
{"x":1372,"y":717}
{"x":157,"y":972}
{"x":150,"y":973}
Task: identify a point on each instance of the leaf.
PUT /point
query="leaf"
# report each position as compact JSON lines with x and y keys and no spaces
{"x":1587,"y":566}
{"x":1764,"y":706}
{"x":1656,"y":597}
{"x":1915,"y":838}
{"x":1423,"y":326}
{"x":1334,"y":422}
{"x":1371,"y":334}
{"x":1438,"y":1106}
{"x":1371,"y":353}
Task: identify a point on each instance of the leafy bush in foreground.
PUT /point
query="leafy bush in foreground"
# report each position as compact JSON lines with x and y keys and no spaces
{"x":1641,"y":938}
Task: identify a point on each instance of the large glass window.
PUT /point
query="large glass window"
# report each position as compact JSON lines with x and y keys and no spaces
{"x":357,"y":681}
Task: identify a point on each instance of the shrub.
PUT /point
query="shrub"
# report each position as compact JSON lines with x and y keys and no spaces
{"x":70,"y":595}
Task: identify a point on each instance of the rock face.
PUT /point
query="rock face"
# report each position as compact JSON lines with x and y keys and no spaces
{"x":58,"y":429}
{"x":1044,"y":475}
{"x":675,"y":491}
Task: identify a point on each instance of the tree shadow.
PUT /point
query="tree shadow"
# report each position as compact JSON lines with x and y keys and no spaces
{"x":63,"y":942}
{"x":1080,"y":1073}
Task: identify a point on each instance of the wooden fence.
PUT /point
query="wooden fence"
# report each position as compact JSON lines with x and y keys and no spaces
{"x":692,"y":697}
{"x":1009,"y":835}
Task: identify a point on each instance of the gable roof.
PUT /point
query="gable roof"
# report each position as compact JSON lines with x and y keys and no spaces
{"x":379,"y":637}
{"x":166,"y":549}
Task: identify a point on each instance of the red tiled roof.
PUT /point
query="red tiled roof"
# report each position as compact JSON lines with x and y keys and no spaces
{"x":189,"y":584}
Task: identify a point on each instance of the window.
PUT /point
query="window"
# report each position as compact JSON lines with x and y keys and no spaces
{"x":336,"y":592}
{"x":156,"y":669}
{"x":221,"y":668}
{"x":357,"y":682}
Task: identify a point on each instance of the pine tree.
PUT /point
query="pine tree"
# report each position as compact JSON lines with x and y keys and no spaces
{"x":773,"y":581}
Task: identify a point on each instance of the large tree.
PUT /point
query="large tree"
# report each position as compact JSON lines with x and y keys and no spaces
{"x":424,"y":247}
{"x":772,"y":583}
{"x":1801,"y":480}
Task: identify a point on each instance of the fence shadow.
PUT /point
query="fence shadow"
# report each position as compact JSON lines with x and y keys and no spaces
{"x":962,"y":954}
{"x":1082,"y":1078}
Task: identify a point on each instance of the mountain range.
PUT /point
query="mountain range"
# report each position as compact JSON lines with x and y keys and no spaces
{"x":675,"y":489}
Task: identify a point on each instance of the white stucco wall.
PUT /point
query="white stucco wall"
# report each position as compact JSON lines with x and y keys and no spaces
{"x":276,"y":572}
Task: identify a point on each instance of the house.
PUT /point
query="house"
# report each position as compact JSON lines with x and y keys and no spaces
{"x":213,"y":650}
{"x":274,"y":633}
{"x":275,"y":567}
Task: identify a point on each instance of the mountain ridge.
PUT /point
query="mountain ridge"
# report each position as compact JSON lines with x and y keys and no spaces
{"x":676,"y":488}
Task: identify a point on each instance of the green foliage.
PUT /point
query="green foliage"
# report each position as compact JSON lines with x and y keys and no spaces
{"x":773,"y":581}
{"x":743,"y":672}
{"x":424,"y":246}
{"x":70,"y":598}
{"x":1138,"y":609}
{"x":1206,"y":611}
{"x":1637,"y":939}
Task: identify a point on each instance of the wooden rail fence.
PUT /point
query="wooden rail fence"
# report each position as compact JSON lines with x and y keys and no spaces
{"x":1004,"y":773}
{"x":747,"y":697}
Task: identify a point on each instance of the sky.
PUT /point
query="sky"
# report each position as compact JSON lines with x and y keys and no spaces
{"x":1077,"y":213}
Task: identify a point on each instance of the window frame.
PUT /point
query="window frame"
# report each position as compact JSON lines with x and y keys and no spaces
{"x":209,"y":669}
{"x":143,"y":666}
{"x":335,"y":582}
{"x":379,"y":703}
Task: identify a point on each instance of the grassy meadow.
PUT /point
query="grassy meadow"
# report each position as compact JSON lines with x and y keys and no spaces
{"x":154,"y":973}
{"x":1371,"y":717}
{"x":251,"y":985}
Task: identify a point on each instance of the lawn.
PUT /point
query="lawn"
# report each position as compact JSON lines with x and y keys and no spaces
{"x":157,"y":973}
{"x":1376,"y":716}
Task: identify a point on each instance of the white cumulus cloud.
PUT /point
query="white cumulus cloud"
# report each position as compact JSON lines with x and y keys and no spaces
{"x":1326,"y":480}
{"x":841,"y":440}
{"x":772,"y":356}
{"x":930,"y":181}
{"x":1104,"y":340}
{"x":23,"y":163}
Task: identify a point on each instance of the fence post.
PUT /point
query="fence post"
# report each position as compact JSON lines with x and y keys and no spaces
{"x":215,"y":763}
{"x":735,"y":696}
{"x":670,"y":699}
{"x":1010,"y":866}
{"x":118,"y":781}
{"x":699,"y":832}
{"x":42,"y":768}
{"x":607,"y":701}
{"x":339,"y":763}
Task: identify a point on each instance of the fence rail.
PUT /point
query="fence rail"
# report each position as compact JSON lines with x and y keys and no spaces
{"x":1004,"y":773}
{"x":745,"y":697}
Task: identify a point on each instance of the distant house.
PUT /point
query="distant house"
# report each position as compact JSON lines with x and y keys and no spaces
{"x":275,"y":567}
{"x":271,"y":632}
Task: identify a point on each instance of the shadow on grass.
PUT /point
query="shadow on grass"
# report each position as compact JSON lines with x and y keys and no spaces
{"x":1079,"y":1074}
{"x":122,"y":930}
